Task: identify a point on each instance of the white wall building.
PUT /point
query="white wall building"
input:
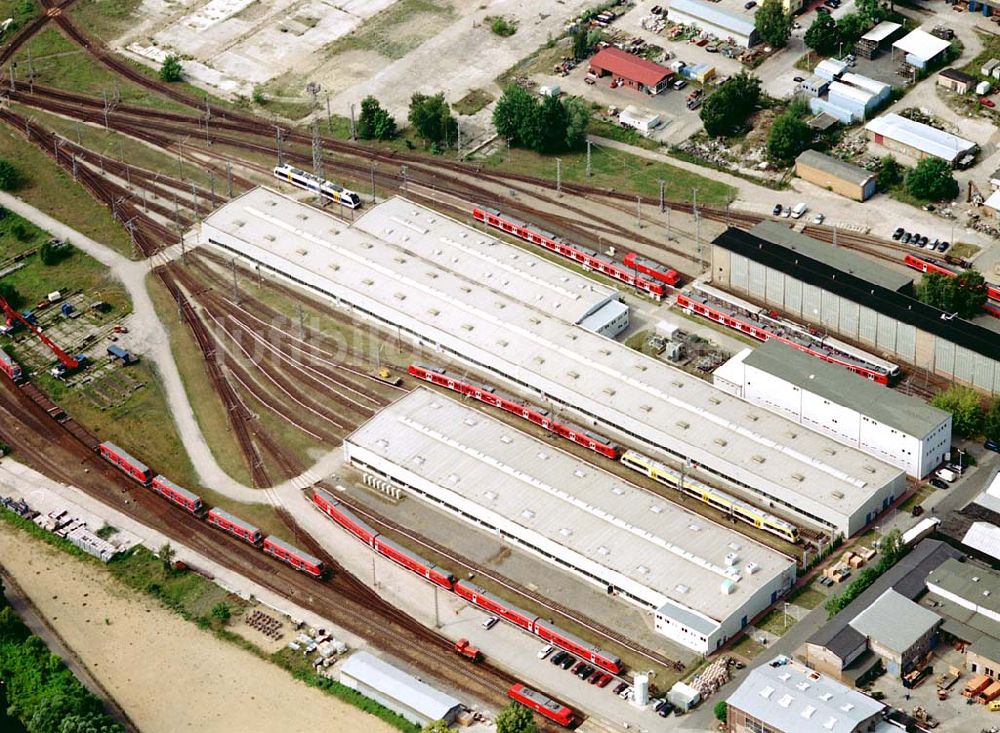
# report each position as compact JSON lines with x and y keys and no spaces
{"x":703,"y":581}
{"x":414,"y":699}
{"x":715,"y":20}
{"x":904,"y":431}
{"x":500,"y":315}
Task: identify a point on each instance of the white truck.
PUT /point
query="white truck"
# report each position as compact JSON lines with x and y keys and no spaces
{"x":946,"y":474}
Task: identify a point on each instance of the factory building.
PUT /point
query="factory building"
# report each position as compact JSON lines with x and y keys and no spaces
{"x":919,"y":48}
{"x":857,"y":303}
{"x":838,"y":175}
{"x":634,"y":71}
{"x":893,"y":427}
{"x":402,"y":693}
{"x":703,"y":581}
{"x":505,"y":316}
{"x":713,"y":19}
{"x":918,"y":140}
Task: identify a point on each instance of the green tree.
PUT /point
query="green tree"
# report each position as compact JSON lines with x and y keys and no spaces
{"x":52,"y":253}
{"x":438,"y":726}
{"x":166,"y":555}
{"x":502,"y":26}
{"x":171,"y":69}
{"x":965,"y":408}
{"x":515,"y":114}
{"x":892,"y":549}
{"x":258,"y":95}
{"x":11,"y":294}
{"x":515,"y":718}
{"x":773,"y":24}
{"x":991,"y":420}
{"x":851,"y":27}
{"x":727,"y":109}
{"x":553,"y":121}
{"x":964,"y":294}
{"x":871,"y":10}
{"x":431,"y":118}
{"x":375,"y":122}
{"x":577,"y":118}
{"x":789,"y":136}
{"x":931,"y":180}
{"x":221,"y":613}
{"x":823,"y":36}
{"x":10,"y":176}
{"x":890,"y":173}
{"x":721,"y":710}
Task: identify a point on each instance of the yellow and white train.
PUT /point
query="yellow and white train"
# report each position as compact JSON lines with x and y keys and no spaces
{"x":718,"y":499}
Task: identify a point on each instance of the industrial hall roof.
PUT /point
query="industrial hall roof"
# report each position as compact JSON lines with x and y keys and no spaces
{"x":917,"y":135}
{"x":387,"y":264}
{"x":835,"y":166}
{"x":921,"y":44}
{"x":714,"y":15}
{"x":568,"y":508}
{"x":629,"y":66}
{"x":864,"y":292}
{"x":895,"y":622}
{"x":910,"y":415}
{"x":400,"y":686}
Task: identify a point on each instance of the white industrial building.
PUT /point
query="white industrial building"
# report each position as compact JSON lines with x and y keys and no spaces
{"x":893,"y":427}
{"x":403,"y":693}
{"x":514,"y":315}
{"x":703,"y":581}
{"x":918,"y":140}
{"x":920,"y":48}
{"x":713,"y":19}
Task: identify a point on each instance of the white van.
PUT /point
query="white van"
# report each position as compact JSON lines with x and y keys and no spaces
{"x":799,"y":209}
{"x":946,"y":474}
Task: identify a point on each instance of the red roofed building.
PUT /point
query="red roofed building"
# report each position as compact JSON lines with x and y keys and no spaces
{"x":633,"y":71}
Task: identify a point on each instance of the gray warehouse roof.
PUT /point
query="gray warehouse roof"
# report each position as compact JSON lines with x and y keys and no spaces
{"x":895,"y":622}
{"x":714,"y":16}
{"x":973,"y":583}
{"x":398,"y":685}
{"x":836,"y":257}
{"x":788,"y":696}
{"x":909,"y":415}
{"x":567,"y":508}
{"x":835,"y":167}
{"x":925,"y":138}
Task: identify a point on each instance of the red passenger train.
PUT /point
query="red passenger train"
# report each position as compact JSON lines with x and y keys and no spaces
{"x":554,"y":711}
{"x":537,"y":415}
{"x":652,"y":268}
{"x":180,"y":496}
{"x":10,"y":367}
{"x":925,"y":265}
{"x":651,"y":283}
{"x":234,"y":526}
{"x":526,"y":620}
{"x":128,"y":465}
{"x":293,"y":556}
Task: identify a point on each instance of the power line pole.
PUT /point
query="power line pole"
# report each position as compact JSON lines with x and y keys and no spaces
{"x":317,"y":157}
{"x":558,"y":176}
{"x":354,"y":130}
{"x":373,"y":164}
{"x":278,"y":145}
{"x":236,"y":286}
{"x":662,"y":185}
{"x":638,"y":211}
{"x":229,"y":178}
{"x":590,"y":171}
{"x":697,"y":232}
{"x":329,"y":117}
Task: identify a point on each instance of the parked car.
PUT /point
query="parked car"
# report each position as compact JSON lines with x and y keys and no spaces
{"x":626,"y":693}
{"x":938,"y":483}
{"x":568,"y":661}
{"x":665,"y":709}
{"x":934,"y":243}
{"x":751,"y":4}
{"x":818,"y":219}
{"x":579,"y":665}
{"x":799,"y":209}
{"x":987,"y":102}
{"x":605,"y":679}
{"x":490,"y":622}
{"x":786,"y":212}
{"x":558,"y":657}
{"x":545,"y":651}
{"x":595,"y":678}
{"x":776,"y":211}
{"x":898,"y":234}
{"x":993,"y":445}
{"x":943,"y":247}
{"x":923,"y":241}
{"x":680,"y":84}
{"x":620,"y":687}
{"x":798,"y":79}
{"x":916,"y":238}
{"x":906,"y":237}
{"x":946,"y":475}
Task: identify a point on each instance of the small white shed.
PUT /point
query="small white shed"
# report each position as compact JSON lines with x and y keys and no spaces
{"x":643,"y":120}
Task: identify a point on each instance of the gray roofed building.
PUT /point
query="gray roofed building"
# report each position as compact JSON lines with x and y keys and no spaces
{"x":836,"y":257}
{"x":415,"y":700}
{"x":836,"y":166}
{"x":898,"y":630}
{"x":968,"y":584}
{"x":917,"y":139}
{"x":838,"y":175}
{"x":714,"y":20}
{"x":788,"y":697}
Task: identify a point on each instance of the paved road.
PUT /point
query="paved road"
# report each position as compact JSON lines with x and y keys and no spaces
{"x":39,"y":626}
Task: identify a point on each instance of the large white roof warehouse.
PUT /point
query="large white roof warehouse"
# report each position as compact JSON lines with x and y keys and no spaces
{"x":517,"y":333}
{"x":706,"y":577}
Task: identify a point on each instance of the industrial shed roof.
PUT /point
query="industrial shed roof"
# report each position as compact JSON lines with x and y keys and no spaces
{"x":969,"y":581}
{"x":852,"y":93}
{"x":895,"y":622}
{"x":629,"y":66}
{"x":835,"y":167}
{"x":788,"y":696}
{"x":714,"y":16}
{"x":925,"y":138}
{"x":865,"y":82}
{"x":958,"y":75}
{"x":511,"y":332}
{"x":882,"y":31}
{"x":828,"y":276}
{"x":398,"y":685}
{"x":983,"y":537}
{"x":907,"y":414}
{"x":921,"y":44}
{"x":566,"y":507}
{"x":837,"y":257}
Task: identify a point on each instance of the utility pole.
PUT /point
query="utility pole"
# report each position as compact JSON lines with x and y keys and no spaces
{"x":590,"y":171}
{"x":329,"y":117}
{"x":229,"y":179}
{"x":278,"y":141}
{"x":12,"y":85}
{"x":211,"y":180}
{"x":194,"y":198}
{"x":354,"y":130}
{"x":638,"y":212}
{"x":373,"y":164}
{"x":558,"y":177}
{"x":236,"y":286}
{"x":402,"y":171}
{"x":74,"y":166}
{"x":104,"y":96}
{"x":121,"y":150}
{"x":458,"y":143}
{"x":317,"y":157}
{"x":662,"y":185}
{"x":697,"y":231}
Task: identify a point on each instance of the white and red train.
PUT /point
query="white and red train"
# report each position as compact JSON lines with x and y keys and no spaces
{"x":758,"y":323}
{"x":646,"y":275}
{"x":537,"y":415}
{"x":547,"y":708}
{"x":528,"y":621}
{"x":925,"y":265}
{"x":10,"y":367}
{"x":191,"y":502}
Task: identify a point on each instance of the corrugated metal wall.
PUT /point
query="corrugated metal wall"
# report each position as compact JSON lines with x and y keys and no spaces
{"x":757,"y":280}
{"x":886,"y":333}
{"x":812,"y":303}
{"x":944,"y":356}
{"x":831,"y":310}
{"x":867,"y":326}
{"x":906,"y":341}
{"x":793,"y":295}
{"x":775,"y":288}
{"x":849,"y":314}
{"x":964,"y":364}
{"x":738,"y":266}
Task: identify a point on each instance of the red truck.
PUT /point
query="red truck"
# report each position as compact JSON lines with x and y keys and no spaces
{"x":463,"y":647}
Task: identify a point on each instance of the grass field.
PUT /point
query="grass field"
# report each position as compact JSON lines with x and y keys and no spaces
{"x":808,"y":597}
{"x":205,"y":401}
{"x":381,"y":32}
{"x":747,"y":647}
{"x":48,"y":188}
{"x":472,"y":102}
{"x":629,"y":135}
{"x":776,"y":622}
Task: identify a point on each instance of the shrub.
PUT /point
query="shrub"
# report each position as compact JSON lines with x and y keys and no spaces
{"x":171,"y":70}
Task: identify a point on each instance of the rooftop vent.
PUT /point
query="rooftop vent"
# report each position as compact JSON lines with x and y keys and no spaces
{"x":807,"y":711}
{"x":869,"y":469}
{"x":528,"y":514}
{"x":609,"y":391}
{"x":643,"y":570}
{"x":826,"y":696}
{"x":368,"y":281}
{"x":767,"y":692}
{"x":798,"y":477}
{"x":399,"y":296}
{"x":694,"y":527}
{"x":566,"y":532}
{"x":646,"y":408}
{"x":734,"y":547}
{"x":829,"y":451}
{"x":785,"y":701}
{"x":503,"y":343}
{"x":453,"y":478}
{"x":757,"y":458}
{"x":720,"y":442}
{"x":715,"y":400}
{"x":677,"y":383}
{"x":491,"y":495}
{"x":837,"y":494}
{"x":683,"y":425}
{"x":753,"y":417}
{"x":681,"y":588}
{"x":506,"y":439}
{"x":419,"y":460}
{"x":752,"y":567}
{"x":542,"y":456}
{"x":656,"y":509}
{"x":602,"y":550}
{"x":467,"y":326}
{"x":470,"y":421}
{"x":382,"y":443}
{"x":573,"y":375}
{"x":731,"y":559}
{"x":579,"y":474}
{"x":434,"y":312}
{"x":847,"y":707}
{"x":617,"y":490}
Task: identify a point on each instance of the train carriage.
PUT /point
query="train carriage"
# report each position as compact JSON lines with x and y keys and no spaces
{"x":479,"y":597}
{"x":414,"y":562}
{"x":343,"y":516}
{"x":10,"y":367}
{"x":554,"y":711}
{"x":578,"y":646}
{"x":132,"y":467}
{"x":327,"y":189}
{"x":234,"y":526}
{"x":178,"y":495}
{"x":293,"y":556}
{"x":652,"y":268}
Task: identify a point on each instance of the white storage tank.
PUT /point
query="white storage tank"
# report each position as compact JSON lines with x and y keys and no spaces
{"x":641,"y":690}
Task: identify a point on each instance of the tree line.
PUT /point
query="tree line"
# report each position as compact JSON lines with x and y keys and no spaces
{"x":891,"y":550}
{"x":971,"y":414}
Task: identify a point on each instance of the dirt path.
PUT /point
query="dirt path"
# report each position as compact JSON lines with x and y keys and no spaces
{"x":164,"y":672}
